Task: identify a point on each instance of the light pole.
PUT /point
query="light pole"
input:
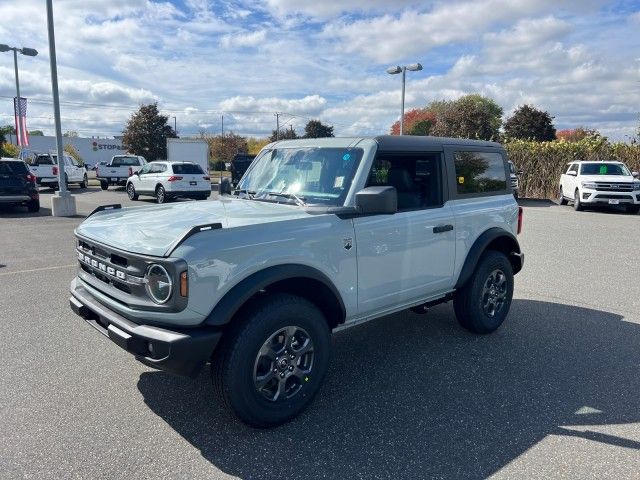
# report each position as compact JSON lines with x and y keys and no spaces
{"x":63,"y":204}
{"x":30,"y":52}
{"x":175,"y":125}
{"x":414,"y":67}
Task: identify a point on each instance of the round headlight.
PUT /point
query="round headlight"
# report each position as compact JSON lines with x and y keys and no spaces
{"x":158,"y":283}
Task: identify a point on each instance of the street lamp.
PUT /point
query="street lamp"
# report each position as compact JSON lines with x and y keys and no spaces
{"x":414,"y":67}
{"x":29,"y":52}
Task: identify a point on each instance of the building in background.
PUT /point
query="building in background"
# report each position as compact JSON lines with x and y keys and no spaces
{"x":92,"y":150}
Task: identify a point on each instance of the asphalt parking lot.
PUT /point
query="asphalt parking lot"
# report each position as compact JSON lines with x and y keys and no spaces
{"x":553,"y":394}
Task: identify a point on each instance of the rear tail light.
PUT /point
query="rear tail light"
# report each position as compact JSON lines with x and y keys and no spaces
{"x":206,"y":177}
{"x":173,"y":178}
{"x":519,"y":220}
{"x":55,"y":170}
{"x":30,"y":177}
{"x":130,"y":171}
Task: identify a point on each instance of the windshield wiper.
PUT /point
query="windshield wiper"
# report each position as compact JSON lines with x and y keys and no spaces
{"x":248,"y":193}
{"x":299,"y":200}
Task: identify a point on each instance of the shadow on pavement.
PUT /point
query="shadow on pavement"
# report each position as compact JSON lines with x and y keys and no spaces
{"x":413,"y":396}
{"x":11,"y":211}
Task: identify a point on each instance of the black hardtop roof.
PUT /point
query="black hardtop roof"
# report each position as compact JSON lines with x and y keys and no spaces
{"x":415,"y":142}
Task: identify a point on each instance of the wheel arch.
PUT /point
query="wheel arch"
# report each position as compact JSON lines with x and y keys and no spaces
{"x":493,"y":239}
{"x":301,"y":280}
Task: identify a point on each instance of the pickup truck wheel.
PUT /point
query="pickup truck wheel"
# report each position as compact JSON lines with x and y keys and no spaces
{"x":561,"y":199}
{"x":161,"y":195}
{"x":104,"y":185}
{"x":131,"y":191}
{"x":84,"y":182}
{"x":273,"y":360}
{"x":577,"y":206}
{"x":483,"y":303}
{"x":633,"y":209}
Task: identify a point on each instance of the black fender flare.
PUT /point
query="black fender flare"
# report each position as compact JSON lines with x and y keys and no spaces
{"x":508,"y":244}
{"x":240,"y":293}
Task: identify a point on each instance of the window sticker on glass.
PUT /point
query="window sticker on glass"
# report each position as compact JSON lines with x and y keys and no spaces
{"x":339,"y":182}
{"x":603,"y":169}
{"x":460,"y":180}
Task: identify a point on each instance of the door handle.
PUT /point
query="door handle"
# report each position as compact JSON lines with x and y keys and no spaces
{"x":442,"y":228}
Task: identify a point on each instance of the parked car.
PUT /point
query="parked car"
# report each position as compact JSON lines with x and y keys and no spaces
{"x":515,"y":181}
{"x":45,"y":168}
{"x":170,"y":180}
{"x":320,"y":233}
{"x":239,"y":165}
{"x":600,"y":183}
{"x":18,"y":185}
{"x":118,"y":171}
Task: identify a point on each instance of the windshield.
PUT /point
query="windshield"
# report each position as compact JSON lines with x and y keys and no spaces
{"x":604,"y":169}
{"x":320,"y":176}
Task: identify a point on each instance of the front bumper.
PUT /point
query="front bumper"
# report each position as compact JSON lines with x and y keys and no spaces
{"x":188,"y":193}
{"x":182,"y":351}
{"x":600,"y":197}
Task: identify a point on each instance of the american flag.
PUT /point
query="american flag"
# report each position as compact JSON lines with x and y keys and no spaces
{"x":20,"y":109}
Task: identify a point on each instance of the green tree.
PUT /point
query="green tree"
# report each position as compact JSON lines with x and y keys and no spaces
{"x":71,"y":133}
{"x":8,"y":130}
{"x":471,"y":116}
{"x":317,"y":129}
{"x":36,"y":133}
{"x":284,"y":135}
{"x":146,"y":133}
{"x":254,"y":145}
{"x":222,"y":149}
{"x":2,"y":139}
{"x":418,"y":121}
{"x":529,"y":123}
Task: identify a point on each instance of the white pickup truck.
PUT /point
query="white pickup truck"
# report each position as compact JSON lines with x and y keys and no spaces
{"x":118,"y":171}
{"x":44,"y":167}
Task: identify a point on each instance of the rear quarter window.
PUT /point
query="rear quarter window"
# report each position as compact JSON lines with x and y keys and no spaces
{"x":479,"y":172}
{"x":187,"y":169}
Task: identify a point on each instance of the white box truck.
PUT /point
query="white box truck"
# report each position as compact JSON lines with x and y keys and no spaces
{"x":193,"y":150}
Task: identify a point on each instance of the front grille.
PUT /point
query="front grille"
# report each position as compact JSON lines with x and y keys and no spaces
{"x":618,"y":197}
{"x":614,"y":187}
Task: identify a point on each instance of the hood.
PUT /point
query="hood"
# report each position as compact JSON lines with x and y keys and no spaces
{"x":607,"y":178}
{"x":152,"y":230}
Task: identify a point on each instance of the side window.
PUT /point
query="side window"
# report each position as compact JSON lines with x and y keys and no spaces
{"x":480,"y":172}
{"x":146,"y":169}
{"x":573,"y":168}
{"x":416,"y":177}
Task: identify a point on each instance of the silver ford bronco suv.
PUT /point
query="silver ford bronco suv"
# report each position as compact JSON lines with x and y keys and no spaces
{"x":320,"y":234}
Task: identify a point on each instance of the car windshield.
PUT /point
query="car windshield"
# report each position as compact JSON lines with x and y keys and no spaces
{"x":125,"y":162}
{"x":604,"y":169}
{"x":320,"y":176}
{"x":187,"y":168}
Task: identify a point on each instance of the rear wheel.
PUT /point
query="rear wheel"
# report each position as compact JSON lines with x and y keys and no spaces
{"x":161,"y":195}
{"x":561,"y":199}
{"x":577,"y":205}
{"x":633,"y":209}
{"x":34,"y":205}
{"x":483,"y":303}
{"x":131,"y":192}
{"x":273,"y":360}
{"x":84,"y":182}
{"x":104,"y":185}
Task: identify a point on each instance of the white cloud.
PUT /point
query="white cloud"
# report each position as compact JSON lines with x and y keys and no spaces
{"x":239,"y":40}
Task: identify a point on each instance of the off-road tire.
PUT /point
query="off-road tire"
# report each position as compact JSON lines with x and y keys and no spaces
{"x":233,"y":363}
{"x":468,"y":301}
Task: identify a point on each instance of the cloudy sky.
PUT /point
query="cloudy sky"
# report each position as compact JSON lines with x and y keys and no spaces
{"x":322,"y":59}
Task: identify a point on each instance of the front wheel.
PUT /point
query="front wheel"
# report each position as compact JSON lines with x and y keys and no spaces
{"x":483,"y":303}
{"x":131,"y":192}
{"x":273,"y":360}
{"x":577,"y":205}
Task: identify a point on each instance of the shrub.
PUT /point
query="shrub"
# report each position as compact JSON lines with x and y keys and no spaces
{"x":9,"y":150}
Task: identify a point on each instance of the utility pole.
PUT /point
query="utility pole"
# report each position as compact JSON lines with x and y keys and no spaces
{"x":15,"y":65}
{"x":175,"y":125}
{"x":277,"y":126}
{"x":222,"y":128}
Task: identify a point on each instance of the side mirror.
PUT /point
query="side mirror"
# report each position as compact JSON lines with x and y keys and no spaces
{"x":635,"y":174}
{"x":225,"y":187}
{"x":573,"y":174}
{"x":377,"y":200}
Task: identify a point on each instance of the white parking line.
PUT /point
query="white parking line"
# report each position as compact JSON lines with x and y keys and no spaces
{"x":38,"y":269}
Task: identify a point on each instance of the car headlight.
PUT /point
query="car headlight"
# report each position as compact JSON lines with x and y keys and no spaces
{"x":589,"y":185}
{"x":158,"y":283}
{"x":636,"y":185}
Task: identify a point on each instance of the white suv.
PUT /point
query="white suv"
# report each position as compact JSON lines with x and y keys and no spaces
{"x":600,"y":183}
{"x":170,"y":180}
